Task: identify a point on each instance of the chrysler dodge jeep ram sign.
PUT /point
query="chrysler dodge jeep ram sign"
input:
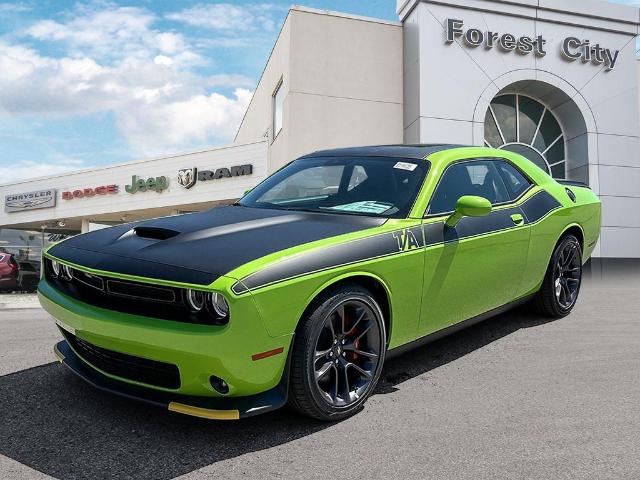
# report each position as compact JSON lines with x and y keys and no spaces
{"x":19,"y":202}
{"x":572,"y":48}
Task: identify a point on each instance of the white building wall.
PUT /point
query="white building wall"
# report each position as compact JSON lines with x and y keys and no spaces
{"x":448,"y":88}
{"x":343,"y":85}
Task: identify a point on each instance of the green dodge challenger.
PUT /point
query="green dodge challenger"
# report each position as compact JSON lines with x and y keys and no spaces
{"x":298,"y":292}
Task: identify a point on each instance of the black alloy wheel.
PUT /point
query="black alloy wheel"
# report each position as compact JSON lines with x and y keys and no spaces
{"x":338,"y":354}
{"x":568,"y":275}
{"x":347,"y":352}
{"x":561,"y":285}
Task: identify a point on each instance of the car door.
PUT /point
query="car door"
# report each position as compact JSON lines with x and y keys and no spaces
{"x":476,"y":266}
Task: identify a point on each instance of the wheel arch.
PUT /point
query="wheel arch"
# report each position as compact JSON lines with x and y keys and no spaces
{"x":576,"y":230}
{"x":371,"y":282}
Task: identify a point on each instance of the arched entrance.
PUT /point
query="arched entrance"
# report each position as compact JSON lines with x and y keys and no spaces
{"x":521,"y":124}
{"x":544,"y":124}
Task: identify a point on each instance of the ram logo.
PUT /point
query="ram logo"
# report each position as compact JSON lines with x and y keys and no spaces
{"x":187,"y":177}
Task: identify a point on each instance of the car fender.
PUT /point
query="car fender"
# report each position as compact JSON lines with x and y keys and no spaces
{"x":346,"y":276}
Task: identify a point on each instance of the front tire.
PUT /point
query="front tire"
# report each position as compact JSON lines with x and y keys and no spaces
{"x":338,"y":354}
{"x":561,"y":285}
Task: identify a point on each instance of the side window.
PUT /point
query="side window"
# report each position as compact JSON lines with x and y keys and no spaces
{"x":516,"y":182}
{"x":358,"y":176}
{"x":478,"y":177}
{"x":278,"y":106}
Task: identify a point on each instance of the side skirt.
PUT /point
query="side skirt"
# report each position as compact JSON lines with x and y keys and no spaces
{"x":445,"y":332}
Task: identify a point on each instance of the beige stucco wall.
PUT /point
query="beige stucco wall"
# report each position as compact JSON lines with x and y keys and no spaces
{"x":343,"y":84}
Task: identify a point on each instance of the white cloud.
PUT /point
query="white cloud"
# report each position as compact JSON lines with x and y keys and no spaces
{"x":196,"y":118}
{"x":116,"y":61}
{"x":112,"y":32}
{"x":228,"y":16}
{"x":28,"y":169}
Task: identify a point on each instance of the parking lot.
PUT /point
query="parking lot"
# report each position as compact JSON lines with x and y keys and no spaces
{"x":515,"y":397}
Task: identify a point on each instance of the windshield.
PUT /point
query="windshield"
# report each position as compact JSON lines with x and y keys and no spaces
{"x":375,"y":186}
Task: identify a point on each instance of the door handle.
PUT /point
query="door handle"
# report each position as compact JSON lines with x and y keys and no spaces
{"x":517,"y":219}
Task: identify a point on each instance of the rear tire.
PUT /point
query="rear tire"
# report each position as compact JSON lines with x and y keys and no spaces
{"x":338,"y":354}
{"x":561,"y":285}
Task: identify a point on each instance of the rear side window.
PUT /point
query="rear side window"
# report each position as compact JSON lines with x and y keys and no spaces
{"x":477,"y":177}
{"x":515,"y":181}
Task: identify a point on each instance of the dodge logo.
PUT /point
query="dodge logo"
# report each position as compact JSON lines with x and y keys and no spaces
{"x":187,"y":177}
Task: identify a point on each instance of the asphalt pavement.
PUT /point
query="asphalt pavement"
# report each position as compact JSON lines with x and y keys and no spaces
{"x":514,"y":397}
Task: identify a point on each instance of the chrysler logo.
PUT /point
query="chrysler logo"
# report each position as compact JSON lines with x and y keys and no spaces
{"x":187,"y":177}
{"x":30,"y":201}
{"x":25,"y":204}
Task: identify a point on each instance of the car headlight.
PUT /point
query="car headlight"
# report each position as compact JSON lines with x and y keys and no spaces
{"x":219,"y":305}
{"x":55,"y":269}
{"x":67,"y":272}
{"x":196,"y":300}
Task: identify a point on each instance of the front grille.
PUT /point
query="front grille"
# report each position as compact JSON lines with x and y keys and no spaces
{"x":150,"y":372}
{"x":140,"y":291}
{"x":126,"y":296}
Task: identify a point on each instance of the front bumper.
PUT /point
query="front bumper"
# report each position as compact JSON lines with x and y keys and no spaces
{"x":230,"y":352}
{"x":203,"y":407}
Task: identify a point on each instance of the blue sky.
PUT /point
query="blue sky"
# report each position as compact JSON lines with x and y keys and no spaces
{"x":100,"y":82}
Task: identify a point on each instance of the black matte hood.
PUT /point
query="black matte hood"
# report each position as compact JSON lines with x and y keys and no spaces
{"x":200,"y":247}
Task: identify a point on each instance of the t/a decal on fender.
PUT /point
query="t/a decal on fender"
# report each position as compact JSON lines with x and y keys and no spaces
{"x":406,"y":240}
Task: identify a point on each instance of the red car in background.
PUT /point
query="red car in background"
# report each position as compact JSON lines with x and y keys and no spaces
{"x":9,"y":272}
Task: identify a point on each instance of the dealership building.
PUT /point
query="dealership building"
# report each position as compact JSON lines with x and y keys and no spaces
{"x":554,"y":80}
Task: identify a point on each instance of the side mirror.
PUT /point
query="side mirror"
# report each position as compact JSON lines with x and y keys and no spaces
{"x":469,"y":206}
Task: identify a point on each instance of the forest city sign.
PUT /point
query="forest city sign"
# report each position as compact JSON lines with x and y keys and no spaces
{"x":572,"y":48}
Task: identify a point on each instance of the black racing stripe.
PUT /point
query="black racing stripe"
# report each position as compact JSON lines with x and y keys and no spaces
{"x":205,"y":245}
{"x":131,"y":266}
{"x":533,"y":209}
{"x":538,"y":206}
{"x":436,"y":233}
{"x":334,"y":256}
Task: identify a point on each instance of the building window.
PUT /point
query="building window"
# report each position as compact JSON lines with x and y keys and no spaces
{"x":522,"y":125}
{"x":278,"y":107}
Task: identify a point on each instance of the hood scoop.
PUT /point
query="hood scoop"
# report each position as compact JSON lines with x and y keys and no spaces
{"x":155,"y":233}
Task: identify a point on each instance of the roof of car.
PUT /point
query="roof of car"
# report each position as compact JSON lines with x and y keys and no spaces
{"x":417,"y":152}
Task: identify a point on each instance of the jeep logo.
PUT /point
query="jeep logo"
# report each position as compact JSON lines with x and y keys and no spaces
{"x":157,"y":184}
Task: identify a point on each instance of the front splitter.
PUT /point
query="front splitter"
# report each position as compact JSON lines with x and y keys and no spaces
{"x":212,"y":408}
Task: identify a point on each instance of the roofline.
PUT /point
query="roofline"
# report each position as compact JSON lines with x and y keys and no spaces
{"x":405,"y":7}
{"x":132,"y":162}
{"x":350,"y":16}
{"x":426,"y":150}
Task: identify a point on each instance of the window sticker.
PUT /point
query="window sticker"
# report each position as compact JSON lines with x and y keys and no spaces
{"x":363,"y":207}
{"x":405,"y":166}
